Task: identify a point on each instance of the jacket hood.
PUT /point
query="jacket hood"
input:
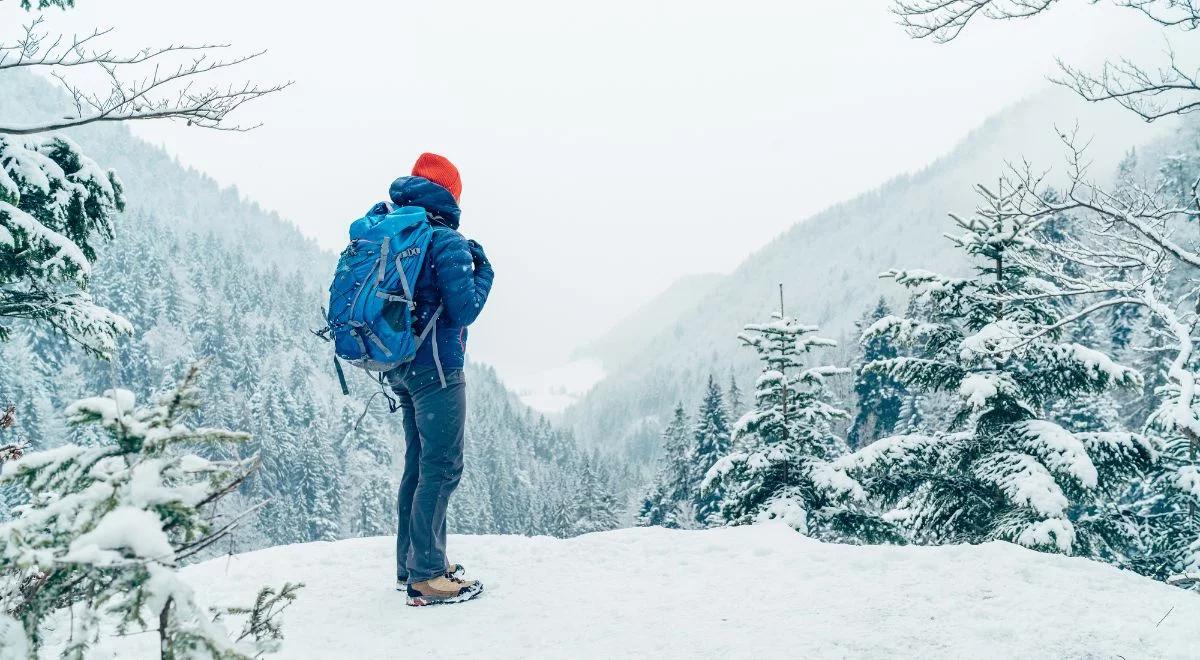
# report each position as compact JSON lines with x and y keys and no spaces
{"x":438,"y":203}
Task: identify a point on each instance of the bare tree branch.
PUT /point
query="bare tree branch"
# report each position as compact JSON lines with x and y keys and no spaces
{"x":944,"y":20}
{"x":1151,"y":93}
{"x":1170,"y":90}
{"x":169,"y":89}
{"x":1183,"y":14}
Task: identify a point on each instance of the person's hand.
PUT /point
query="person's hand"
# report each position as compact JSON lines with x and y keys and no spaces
{"x":477,"y":254}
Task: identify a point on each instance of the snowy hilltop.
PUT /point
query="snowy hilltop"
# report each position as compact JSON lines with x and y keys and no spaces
{"x":746,"y":592}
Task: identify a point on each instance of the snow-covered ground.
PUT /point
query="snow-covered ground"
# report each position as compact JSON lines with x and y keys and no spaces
{"x":748,"y":592}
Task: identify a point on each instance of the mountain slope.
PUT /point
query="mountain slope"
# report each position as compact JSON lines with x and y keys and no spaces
{"x":830,"y":263}
{"x":157,"y":184}
{"x":659,"y":315}
{"x":745,"y":592}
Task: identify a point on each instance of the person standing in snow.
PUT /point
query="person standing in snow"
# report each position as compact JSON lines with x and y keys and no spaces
{"x":450,"y":293}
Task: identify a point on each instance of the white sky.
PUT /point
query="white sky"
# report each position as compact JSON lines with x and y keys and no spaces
{"x":606,"y":148}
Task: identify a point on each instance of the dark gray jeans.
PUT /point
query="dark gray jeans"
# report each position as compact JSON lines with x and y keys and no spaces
{"x":434,"y":419}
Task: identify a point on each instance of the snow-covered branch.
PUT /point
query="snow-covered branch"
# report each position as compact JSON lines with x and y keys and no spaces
{"x":105,"y":527}
{"x":1149,"y":214}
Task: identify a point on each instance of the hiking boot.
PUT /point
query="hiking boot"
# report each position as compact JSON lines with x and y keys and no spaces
{"x":452,"y":571}
{"x":443,"y":590}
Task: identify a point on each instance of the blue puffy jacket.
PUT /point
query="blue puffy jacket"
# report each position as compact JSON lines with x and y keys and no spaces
{"x":450,"y":276}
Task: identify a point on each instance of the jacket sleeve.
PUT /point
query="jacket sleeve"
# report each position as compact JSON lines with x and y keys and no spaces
{"x":463,"y":286}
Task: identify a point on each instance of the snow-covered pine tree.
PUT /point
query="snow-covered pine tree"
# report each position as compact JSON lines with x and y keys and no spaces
{"x":879,"y":397}
{"x":1152,"y":354}
{"x":1087,"y":411}
{"x":780,"y":465}
{"x":911,"y":418}
{"x":1002,"y":471}
{"x":672,"y":485}
{"x":106,"y":527}
{"x":376,"y":513}
{"x":733,"y":397}
{"x":559,"y":515}
{"x":597,"y":511}
{"x":710,"y":441}
{"x":319,"y":490}
{"x":1170,"y":498}
{"x":56,"y":207}
{"x":1123,"y":319}
{"x":1171,"y":506}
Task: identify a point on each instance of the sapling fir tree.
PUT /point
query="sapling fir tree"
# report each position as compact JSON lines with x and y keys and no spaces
{"x":880,"y":399}
{"x":710,"y":441}
{"x":780,"y":466}
{"x":733,"y":398}
{"x":597,"y":509}
{"x":672,"y":486}
{"x":1002,"y":470}
{"x":104,"y":530}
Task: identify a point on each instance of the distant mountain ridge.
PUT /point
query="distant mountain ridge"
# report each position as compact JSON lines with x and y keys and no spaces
{"x":829,"y":264}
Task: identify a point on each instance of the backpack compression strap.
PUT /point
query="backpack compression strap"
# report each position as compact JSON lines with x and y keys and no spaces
{"x":432,"y":327}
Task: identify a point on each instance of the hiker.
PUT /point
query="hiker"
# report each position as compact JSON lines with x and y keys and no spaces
{"x":449,"y":294}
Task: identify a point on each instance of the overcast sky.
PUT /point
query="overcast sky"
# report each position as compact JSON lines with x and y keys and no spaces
{"x":606,"y":148}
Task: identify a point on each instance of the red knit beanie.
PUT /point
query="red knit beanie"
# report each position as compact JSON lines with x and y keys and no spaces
{"x":440,"y":171}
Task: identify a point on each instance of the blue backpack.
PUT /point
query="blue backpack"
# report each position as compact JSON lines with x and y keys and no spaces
{"x":371,"y":302}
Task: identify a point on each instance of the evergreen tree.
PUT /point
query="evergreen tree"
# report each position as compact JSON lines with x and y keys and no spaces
{"x":1177,"y":180}
{"x":1002,"y":471}
{"x":318,"y":489}
{"x":56,"y":207}
{"x":106,"y":528}
{"x":1152,"y":356}
{"x":1170,"y":506}
{"x":781,"y":464}
{"x":710,"y":441}
{"x":733,"y":398}
{"x":672,"y":486}
{"x":879,"y":397}
{"x":1087,"y":411}
{"x":1170,"y":498}
{"x":911,"y":418}
{"x":597,"y":506}
{"x":559,"y":516}
{"x":376,"y":515}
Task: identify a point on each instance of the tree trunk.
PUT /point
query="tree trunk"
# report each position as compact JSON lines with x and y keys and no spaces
{"x":164,"y":621}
